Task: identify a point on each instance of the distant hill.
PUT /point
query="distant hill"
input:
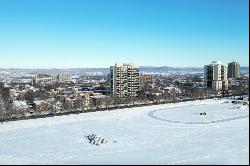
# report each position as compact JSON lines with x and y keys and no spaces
{"x":143,"y":69}
{"x":167,"y":69}
{"x":244,"y":70}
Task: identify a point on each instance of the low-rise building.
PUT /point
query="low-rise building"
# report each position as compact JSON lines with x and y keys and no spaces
{"x":40,"y":105}
{"x":146,"y":78}
{"x":42,"y":79}
{"x":62,"y":77}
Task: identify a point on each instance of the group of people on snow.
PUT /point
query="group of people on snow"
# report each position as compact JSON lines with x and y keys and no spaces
{"x":94,"y":140}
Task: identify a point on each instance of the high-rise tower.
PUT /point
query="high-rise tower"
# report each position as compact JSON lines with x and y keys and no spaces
{"x":215,"y":75}
{"x":124,"y":80}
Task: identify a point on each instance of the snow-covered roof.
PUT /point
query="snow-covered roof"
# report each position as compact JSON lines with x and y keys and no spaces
{"x":51,"y":99}
{"x":168,"y":87}
{"x":20,"y":104}
{"x":99,"y":96}
{"x":38,"y":102}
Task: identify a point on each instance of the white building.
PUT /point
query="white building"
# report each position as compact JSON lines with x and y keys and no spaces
{"x":215,"y":76}
{"x":62,"y":77}
{"x":42,"y":79}
{"x":124,"y":80}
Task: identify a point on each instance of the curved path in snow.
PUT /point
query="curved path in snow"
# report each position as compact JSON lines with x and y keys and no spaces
{"x":152,"y":115}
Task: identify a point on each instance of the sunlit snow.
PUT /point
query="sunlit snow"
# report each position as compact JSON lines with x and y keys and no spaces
{"x":161,"y":134}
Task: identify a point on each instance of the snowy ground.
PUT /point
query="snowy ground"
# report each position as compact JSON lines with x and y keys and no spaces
{"x":162,"y":134}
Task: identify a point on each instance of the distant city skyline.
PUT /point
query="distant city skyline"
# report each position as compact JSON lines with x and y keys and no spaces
{"x":99,"y":33}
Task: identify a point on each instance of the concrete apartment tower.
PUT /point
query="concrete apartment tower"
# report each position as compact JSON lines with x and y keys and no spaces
{"x":124,"y":80}
{"x":233,"y":70}
{"x":215,"y":76}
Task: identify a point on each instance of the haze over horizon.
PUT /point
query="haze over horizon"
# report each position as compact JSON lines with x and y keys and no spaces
{"x":195,"y":67}
{"x":46,"y":34}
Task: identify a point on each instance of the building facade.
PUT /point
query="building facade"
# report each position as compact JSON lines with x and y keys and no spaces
{"x":233,"y":70}
{"x":42,"y":79}
{"x":124,"y":80}
{"x":215,"y":76}
{"x":146,"y":78}
{"x":62,"y":77}
{"x":40,"y":105}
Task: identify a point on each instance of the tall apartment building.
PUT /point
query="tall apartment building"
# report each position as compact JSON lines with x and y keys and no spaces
{"x":62,"y":77}
{"x":233,"y":70}
{"x":42,"y":79}
{"x":215,"y":76}
{"x":124,"y":80}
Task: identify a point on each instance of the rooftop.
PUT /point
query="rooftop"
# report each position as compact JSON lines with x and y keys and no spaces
{"x":216,"y":62}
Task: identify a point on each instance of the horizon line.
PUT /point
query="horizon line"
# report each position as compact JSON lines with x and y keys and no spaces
{"x":15,"y":68}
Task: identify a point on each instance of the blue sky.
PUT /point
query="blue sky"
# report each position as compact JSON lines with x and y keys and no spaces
{"x":98,"y":33}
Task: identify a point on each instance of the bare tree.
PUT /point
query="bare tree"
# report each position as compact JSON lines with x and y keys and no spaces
{"x":117,"y":101}
{"x":78,"y":104}
{"x":91,"y":104}
{"x":7,"y":106}
{"x":20,"y":96}
{"x":108,"y":101}
{"x":52,"y":106}
{"x":67,"y":105}
{"x":98,"y":102}
{"x":2,"y":110}
{"x":30,"y":96}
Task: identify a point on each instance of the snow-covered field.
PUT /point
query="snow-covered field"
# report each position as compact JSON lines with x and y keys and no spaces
{"x":162,"y":134}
